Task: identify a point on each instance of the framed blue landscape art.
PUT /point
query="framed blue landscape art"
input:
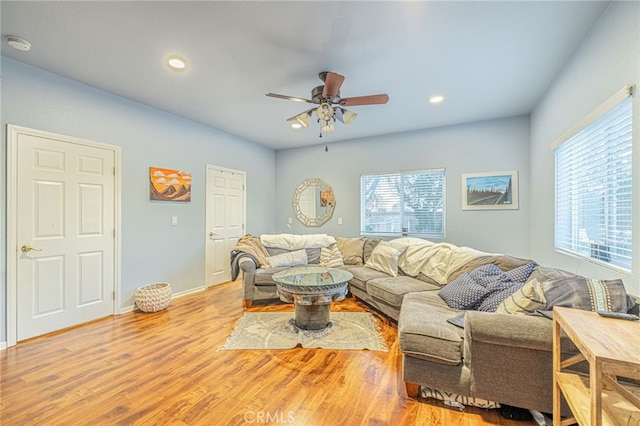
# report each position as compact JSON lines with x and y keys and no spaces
{"x":490,"y":190}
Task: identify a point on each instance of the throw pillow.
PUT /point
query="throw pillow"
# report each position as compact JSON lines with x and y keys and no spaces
{"x":292,"y":258}
{"x":351,"y":250}
{"x":370,"y":243}
{"x":525,"y":300}
{"x":384,"y":258}
{"x":521,"y":273}
{"x":331,"y":257}
{"x":463,"y":293}
{"x":503,"y":285}
{"x":486,"y":274}
{"x":587,"y":294}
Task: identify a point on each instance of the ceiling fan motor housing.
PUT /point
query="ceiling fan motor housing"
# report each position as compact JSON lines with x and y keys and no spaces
{"x":316,"y":96}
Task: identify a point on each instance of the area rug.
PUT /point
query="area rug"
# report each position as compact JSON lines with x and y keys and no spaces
{"x":276,"y":330}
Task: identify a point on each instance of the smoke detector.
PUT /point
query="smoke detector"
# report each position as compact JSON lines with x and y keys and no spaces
{"x":18,"y":43}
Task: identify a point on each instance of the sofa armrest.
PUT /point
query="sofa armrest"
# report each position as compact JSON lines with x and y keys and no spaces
{"x":248,"y":267}
{"x":247,"y":264}
{"x":524,"y":331}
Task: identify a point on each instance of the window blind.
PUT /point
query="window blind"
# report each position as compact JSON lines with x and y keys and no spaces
{"x":403,"y":203}
{"x":593,"y":188}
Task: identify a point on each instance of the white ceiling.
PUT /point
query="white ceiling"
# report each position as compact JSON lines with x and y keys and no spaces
{"x":490,"y":59}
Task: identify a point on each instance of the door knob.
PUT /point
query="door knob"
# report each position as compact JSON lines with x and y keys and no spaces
{"x":25,"y":249}
{"x":211,"y":234}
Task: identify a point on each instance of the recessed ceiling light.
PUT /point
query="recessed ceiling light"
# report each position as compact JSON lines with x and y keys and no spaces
{"x":436,"y":99}
{"x":18,"y":43}
{"x":177,"y":63}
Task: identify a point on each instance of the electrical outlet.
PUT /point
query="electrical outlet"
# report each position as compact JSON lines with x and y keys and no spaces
{"x":174,"y":220}
{"x":339,"y":221}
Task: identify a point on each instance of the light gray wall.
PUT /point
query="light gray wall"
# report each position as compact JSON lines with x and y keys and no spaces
{"x":152,"y":249}
{"x":607,"y":60}
{"x":486,"y":146}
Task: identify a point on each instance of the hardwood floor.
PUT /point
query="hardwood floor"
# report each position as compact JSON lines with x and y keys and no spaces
{"x":163,"y":369}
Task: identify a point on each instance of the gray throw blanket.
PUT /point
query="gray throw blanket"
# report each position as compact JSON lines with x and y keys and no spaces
{"x":249,"y":246}
{"x":236,"y":255}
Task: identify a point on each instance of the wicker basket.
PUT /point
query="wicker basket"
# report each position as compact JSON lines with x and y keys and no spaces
{"x":153,"y":297}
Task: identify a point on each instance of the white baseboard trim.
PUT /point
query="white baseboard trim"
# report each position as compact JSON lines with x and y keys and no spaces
{"x":126,"y":309}
{"x":131,"y":308}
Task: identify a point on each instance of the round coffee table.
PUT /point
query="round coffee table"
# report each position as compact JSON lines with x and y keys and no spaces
{"x":312,"y":289}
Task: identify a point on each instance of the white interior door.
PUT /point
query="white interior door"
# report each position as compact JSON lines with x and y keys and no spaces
{"x":65,"y":231}
{"x":224,"y":221}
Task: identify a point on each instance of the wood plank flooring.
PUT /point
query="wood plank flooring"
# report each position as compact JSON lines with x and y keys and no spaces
{"x":164,"y":369}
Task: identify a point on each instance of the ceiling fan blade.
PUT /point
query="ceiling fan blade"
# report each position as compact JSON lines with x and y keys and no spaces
{"x":365,"y":100}
{"x":289,"y":98}
{"x":332,"y":84}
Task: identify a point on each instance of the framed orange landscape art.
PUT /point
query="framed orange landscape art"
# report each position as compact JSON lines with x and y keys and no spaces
{"x":169,"y":185}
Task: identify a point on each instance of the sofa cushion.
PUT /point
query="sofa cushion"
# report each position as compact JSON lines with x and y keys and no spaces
{"x":292,"y":258}
{"x":384,"y":258}
{"x":351,"y":249}
{"x":545,"y":273}
{"x":362,"y":274}
{"x":391,"y":290}
{"x":423,"y":330}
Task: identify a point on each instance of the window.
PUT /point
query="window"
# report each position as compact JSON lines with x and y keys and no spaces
{"x":403,"y":203}
{"x":593,"y":180}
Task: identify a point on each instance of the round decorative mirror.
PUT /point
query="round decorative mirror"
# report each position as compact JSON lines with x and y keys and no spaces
{"x":313,"y":202}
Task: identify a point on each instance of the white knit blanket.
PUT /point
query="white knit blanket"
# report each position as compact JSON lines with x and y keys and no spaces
{"x":296,"y":242}
{"x":437,"y":261}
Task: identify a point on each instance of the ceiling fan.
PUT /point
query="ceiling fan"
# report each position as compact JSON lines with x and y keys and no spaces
{"x":330,"y":104}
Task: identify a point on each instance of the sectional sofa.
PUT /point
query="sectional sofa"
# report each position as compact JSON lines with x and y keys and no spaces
{"x":472,"y":326}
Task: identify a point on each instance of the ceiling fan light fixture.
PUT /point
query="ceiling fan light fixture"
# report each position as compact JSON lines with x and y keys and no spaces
{"x":303,"y":119}
{"x":328,"y":103}
{"x":348,"y":116}
{"x":324,"y":111}
{"x":328,"y":127}
{"x":296,"y":126}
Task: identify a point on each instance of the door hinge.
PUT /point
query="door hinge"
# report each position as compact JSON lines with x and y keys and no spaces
{"x":114,"y":171}
{"x":113,"y":296}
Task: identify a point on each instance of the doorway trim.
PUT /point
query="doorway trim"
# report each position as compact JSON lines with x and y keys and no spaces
{"x":13,"y":132}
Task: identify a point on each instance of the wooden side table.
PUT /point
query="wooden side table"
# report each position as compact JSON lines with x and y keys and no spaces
{"x":612,"y":348}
